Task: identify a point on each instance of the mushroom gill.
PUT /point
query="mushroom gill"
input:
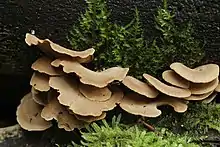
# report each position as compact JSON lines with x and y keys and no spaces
{"x":70,"y":96}
{"x":54,"y":110}
{"x":89,"y":77}
{"x":166,"y":89}
{"x":58,"y":51}
{"x":43,"y":65}
{"x":202,"y":88}
{"x":140,"y":87}
{"x":95,"y":93}
{"x":28,"y":115}
{"x":202,"y":74}
{"x":174,"y":79}
{"x":40,"y":82}
{"x":138,"y":105}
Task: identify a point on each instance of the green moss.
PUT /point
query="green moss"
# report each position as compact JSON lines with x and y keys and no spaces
{"x":125,"y":46}
{"x":197,"y":122}
{"x":119,"y":135}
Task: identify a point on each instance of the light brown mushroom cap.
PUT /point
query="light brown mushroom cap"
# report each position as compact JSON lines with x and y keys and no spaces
{"x":95,"y":93}
{"x":140,"y":87}
{"x":210,"y":98}
{"x":90,"y":119}
{"x":28,"y":115}
{"x":40,"y":82}
{"x":43,"y":65}
{"x":89,"y":77}
{"x":70,"y":96}
{"x":138,"y":105}
{"x":166,"y":89}
{"x":58,"y":51}
{"x":202,"y":88}
{"x":54,"y":110}
{"x":217,"y":89}
{"x":198,"y":97}
{"x":39,"y":97}
{"x":202,"y":74}
{"x":174,"y":79}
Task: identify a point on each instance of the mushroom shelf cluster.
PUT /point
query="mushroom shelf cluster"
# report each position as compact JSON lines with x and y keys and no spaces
{"x":65,"y":91}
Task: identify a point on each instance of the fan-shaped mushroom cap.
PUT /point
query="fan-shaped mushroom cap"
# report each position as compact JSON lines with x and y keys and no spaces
{"x":40,"y":81}
{"x":203,"y":88}
{"x":202,"y":74}
{"x":90,"y":119}
{"x":139,"y":105}
{"x":95,"y":93}
{"x":28,"y":115}
{"x":70,"y":96}
{"x":140,"y":87}
{"x":217,"y":89}
{"x":56,"y":50}
{"x":174,"y":79}
{"x":168,"y":90}
{"x":210,"y":98}
{"x":198,"y":97}
{"x":54,"y":110}
{"x":39,"y":97}
{"x":97,"y":79}
{"x":43,"y":65}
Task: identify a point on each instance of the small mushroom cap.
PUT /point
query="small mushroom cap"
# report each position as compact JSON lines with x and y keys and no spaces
{"x":166,"y":89}
{"x":202,"y":74}
{"x":40,"y":82}
{"x":39,"y":97}
{"x":95,"y":93}
{"x":210,"y":98}
{"x":70,"y":96}
{"x":198,"y":97}
{"x":217,"y":89}
{"x":57,"y":51}
{"x":140,"y":87}
{"x":54,"y":110}
{"x":174,"y":79}
{"x":203,"y":88}
{"x":89,"y":77}
{"x":139,"y":105}
{"x":28,"y":115}
{"x":43,"y":65}
{"x":90,"y":119}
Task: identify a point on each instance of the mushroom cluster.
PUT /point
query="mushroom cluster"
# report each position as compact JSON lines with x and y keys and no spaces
{"x":181,"y":84}
{"x":65,"y":91}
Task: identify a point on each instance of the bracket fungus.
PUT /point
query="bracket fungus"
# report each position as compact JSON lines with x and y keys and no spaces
{"x":28,"y":115}
{"x":40,"y":82}
{"x":89,"y":77}
{"x":57,"y":51}
{"x":39,"y":97}
{"x":210,"y":98}
{"x":90,"y":119}
{"x":43,"y":65}
{"x":217,"y":89}
{"x":95,"y":93}
{"x":174,"y":79}
{"x":203,"y":88}
{"x":198,"y":97}
{"x":202,"y":74}
{"x":138,"y":105}
{"x":54,"y":110}
{"x":166,"y":89}
{"x":70,"y":96}
{"x":140,"y":87}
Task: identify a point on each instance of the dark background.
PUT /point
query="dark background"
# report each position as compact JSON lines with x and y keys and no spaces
{"x":53,"y":18}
